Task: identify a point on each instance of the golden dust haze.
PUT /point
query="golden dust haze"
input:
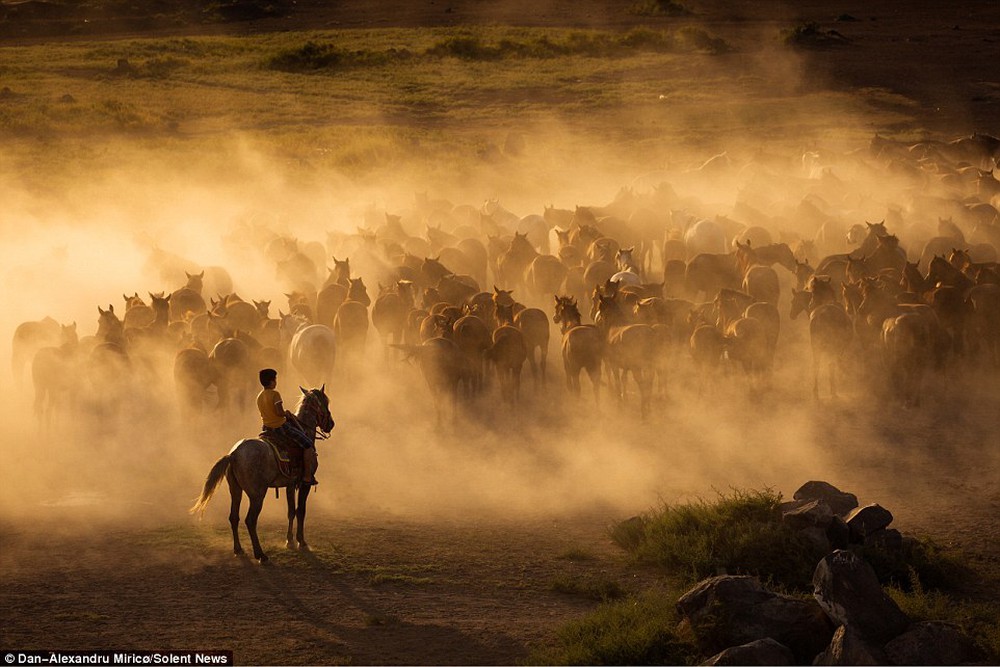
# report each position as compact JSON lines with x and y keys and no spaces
{"x":83,"y":235}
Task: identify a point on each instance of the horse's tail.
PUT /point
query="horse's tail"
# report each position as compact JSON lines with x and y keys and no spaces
{"x":215,"y":477}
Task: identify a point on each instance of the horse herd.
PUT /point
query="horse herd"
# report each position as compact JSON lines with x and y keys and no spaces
{"x":653,"y":284}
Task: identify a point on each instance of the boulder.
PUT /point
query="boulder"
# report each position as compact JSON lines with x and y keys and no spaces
{"x":817,"y":538}
{"x":846,"y":587}
{"x":849,"y":648}
{"x":811,"y":514}
{"x":838,"y":533}
{"x":866,"y":520}
{"x":933,"y":643}
{"x":728,"y":611}
{"x":839,"y":502}
{"x":761,"y":652}
{"x":886,"y":539}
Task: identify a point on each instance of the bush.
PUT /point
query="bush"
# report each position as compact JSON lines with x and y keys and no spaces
{"x":659,"y":8}
{"x":741,"y":533}
{"x":309,"y":57}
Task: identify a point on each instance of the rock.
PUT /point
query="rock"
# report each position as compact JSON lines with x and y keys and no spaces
{"x":866,"y":520}
{"x":885,"y":539}
{"x":849,"y":648}
{"x":933,"y":643}
{"x":729,"y":611}
{"x":846,"y":587}
{"x":761,"y":652}
{"x":813,"y":513}
{"x":838,"y":533}
{"x":817,"y":538}
{"x":838,"y":501}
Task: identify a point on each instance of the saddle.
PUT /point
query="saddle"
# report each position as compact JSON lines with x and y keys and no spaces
{"x":287,"y":454}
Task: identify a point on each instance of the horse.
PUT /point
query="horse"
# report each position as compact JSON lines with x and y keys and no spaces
{"x":194,"y":373}
{"x":515,"y":260}
{"x":582,"y":346}
{"x":233,"y":373}
{"x":508,"y":354}
{"x":830,"y":330}
{"x":53,"y":373}
{"x":29,"y":337}
{"x":906,"y":352}
{"x":471,"y":334}
{"x":313,"y":352}
{"x":534,"y":324}
{"x":629,"y":348}
{"x":251,"y":467}
{"x":545,"y":275}
{"x":391,"y":307}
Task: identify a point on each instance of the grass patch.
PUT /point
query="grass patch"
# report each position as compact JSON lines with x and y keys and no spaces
{"x":601,"y":589}
{"x":634,"y":631}
{"x":316,"y":56}
{"x":388,"y":578}
{"x":656,"y":8}
{"x":578,"y":555}
{"x":740,"y":533}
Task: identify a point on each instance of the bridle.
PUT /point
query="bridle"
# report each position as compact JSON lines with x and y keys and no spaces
{"x":315,"y":410}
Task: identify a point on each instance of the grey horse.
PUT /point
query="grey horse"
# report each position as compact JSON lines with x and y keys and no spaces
{"x":250,"y":467}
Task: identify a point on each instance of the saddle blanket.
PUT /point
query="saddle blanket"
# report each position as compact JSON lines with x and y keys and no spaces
{"x":288,"y":456}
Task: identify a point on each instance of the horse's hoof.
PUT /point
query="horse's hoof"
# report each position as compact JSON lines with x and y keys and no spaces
{"x":303,"y":546}
{"x":289,"y":544}
{"x":238,"y":552}
{"x":262,"y":558}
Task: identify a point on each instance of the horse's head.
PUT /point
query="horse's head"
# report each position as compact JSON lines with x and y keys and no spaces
{"x":315,"y":407}
{"x":342,"y":270}
{"x":800,"y":302}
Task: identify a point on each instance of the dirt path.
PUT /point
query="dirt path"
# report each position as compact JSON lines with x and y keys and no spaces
{"x":372,"y":591}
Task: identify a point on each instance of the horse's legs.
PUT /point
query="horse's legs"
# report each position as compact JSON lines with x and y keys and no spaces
{"x":300,"y":513}
{"x":256,"y":504}
{"x":543,"y":362}
{"x":235,"y":498}
{"x":290,"y":497}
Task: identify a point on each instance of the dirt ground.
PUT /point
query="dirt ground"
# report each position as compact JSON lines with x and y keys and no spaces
{"x":381,"y":586}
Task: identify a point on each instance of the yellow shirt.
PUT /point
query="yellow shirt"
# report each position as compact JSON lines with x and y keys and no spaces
{"x":267,"y":401}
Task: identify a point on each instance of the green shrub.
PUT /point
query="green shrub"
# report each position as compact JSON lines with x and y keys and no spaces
{"x":635,"y":631}
{"x":601,"y":589}
{"x":310,"y":56}
{"x":737,"y":534}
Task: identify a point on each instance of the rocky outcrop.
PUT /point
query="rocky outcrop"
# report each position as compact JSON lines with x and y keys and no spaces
{"x":933,"y":643}
{"x":846,"y":587}
{"x":848,"y":647}
{"x":729,"y":611}
{"x":761,"y":652}
{"x":839,"y":502}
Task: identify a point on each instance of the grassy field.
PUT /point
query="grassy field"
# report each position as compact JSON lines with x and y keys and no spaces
{"x":368,"y":103}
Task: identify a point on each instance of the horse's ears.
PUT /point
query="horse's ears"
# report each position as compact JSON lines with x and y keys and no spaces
{"x":322,"y":389}
{"x":304,"y":392}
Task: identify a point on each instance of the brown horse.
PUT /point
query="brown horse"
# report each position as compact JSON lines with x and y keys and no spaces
{"x":53,"y":372}
{"x":508,"y":354}
{"x":582,"y":346}
{"x":906,"y":352}
{"x":534,"y":324}
{"x":630,"y":348}
{"x":251,"y":467}
{"x":391,"y":307}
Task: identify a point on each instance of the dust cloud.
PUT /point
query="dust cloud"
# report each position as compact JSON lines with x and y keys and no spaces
{"x":127,"y":453}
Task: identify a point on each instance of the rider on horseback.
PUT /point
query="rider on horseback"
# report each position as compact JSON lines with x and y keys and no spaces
{"x":281,"y":422}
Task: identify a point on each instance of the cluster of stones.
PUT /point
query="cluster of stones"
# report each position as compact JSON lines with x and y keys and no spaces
{"x":849,"y":620}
